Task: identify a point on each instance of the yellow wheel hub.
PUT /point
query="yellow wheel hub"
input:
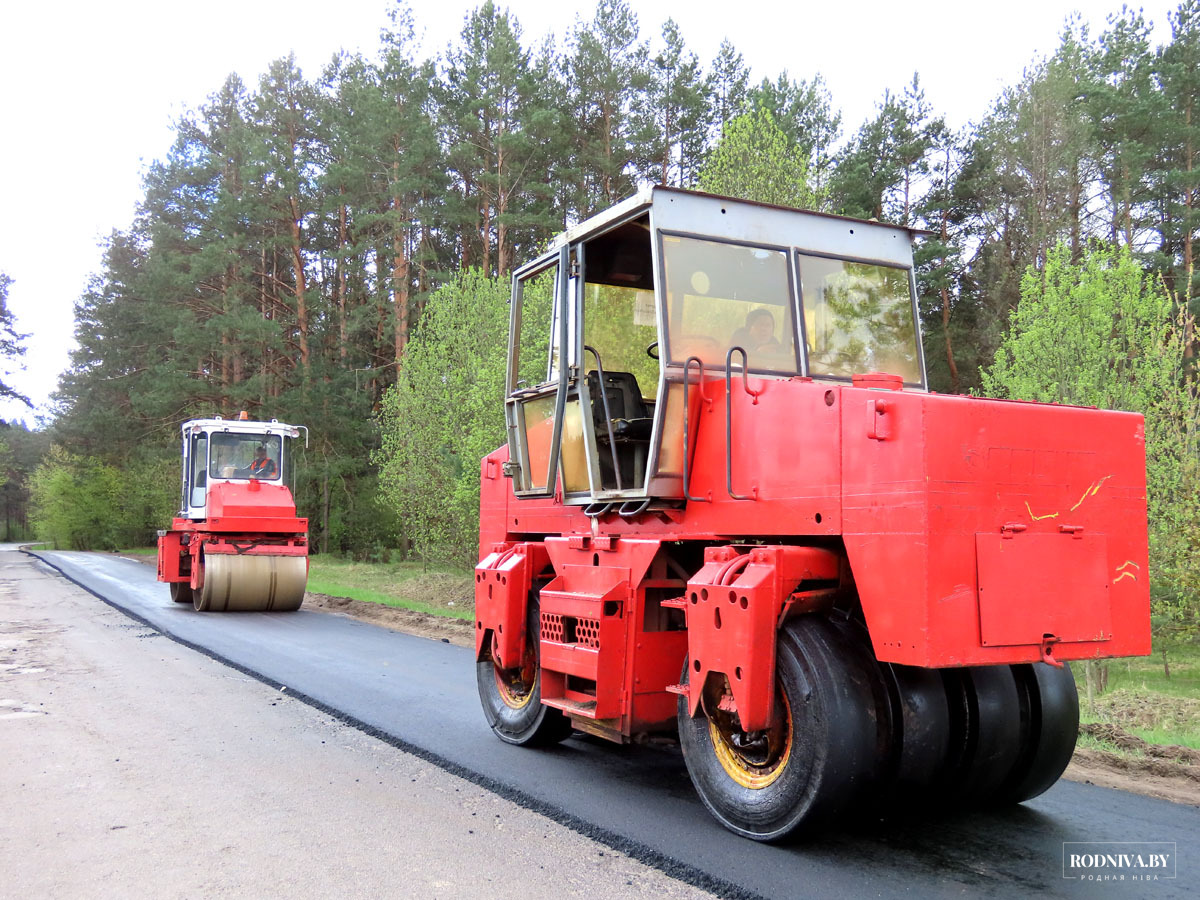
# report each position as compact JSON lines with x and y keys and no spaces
{"x":515,"y":686}
{"x":757,"y":759}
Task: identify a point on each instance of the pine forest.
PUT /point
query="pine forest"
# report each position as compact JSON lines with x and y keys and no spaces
{"x":334,"y":248}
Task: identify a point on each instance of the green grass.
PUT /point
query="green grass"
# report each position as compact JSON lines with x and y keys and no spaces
{"x":1141,"y":699}
{"x":440,"y":592}
{"x":1168,"y":736}
{"x":1146,"y":673}
{"x":449,"y":593}
{"x":1091,"y":742}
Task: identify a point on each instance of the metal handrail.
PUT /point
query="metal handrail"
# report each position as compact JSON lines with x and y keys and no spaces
{"x":632,"y":512}
{"x":687,"y":368}
{"x":612,"y":441}
{"x":729,"y":418}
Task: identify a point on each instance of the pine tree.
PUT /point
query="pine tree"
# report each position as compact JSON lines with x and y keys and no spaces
{"x":876,"y":172}
{"x":496,"y":127}
{"x":673,"y":115}
{"x":606,"y":71}
{"x":11,"y":343}
{"x":756,"y":160}
{"x":805,"y":112}
{"x":727,"y":86}
{"x":1124,"y":109}
{"x":1179,"y":71}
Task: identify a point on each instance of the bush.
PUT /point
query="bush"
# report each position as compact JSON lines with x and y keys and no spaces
{"x":82,"y":503}
{"x":445,"y":412}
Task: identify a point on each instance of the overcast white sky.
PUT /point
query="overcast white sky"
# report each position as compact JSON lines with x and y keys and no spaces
{"x":88,"y":93}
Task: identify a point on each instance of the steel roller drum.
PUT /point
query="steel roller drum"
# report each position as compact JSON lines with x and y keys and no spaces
{"x":252,"y":583}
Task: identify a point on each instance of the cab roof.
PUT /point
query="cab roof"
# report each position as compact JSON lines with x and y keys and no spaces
{"x":711,"y":215}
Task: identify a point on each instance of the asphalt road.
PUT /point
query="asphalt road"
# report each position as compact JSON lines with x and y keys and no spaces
{"x":420,"y":696}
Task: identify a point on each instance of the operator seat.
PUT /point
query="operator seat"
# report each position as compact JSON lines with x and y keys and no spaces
{"x":631,"y":418}
{"x":631,"y":425}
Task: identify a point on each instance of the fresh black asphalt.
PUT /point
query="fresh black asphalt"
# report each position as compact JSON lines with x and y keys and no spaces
{"x":420,"y":696}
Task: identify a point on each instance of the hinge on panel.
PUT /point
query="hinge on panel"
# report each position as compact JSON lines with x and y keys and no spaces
{"x":573,"y":268}
{"x":510,"y":468}
{"x":1047,"y":648}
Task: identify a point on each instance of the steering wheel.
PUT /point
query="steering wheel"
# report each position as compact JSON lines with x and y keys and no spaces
{"x":652,"y":350}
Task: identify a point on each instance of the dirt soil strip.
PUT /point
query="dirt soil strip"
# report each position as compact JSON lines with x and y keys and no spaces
{"x":1167,"y":773}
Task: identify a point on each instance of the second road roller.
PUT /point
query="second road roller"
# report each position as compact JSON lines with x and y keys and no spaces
{"x":237,"y":543}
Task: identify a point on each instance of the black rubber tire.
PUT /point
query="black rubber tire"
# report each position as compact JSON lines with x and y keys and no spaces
{"x":985,"y":732}
{"x":833,"y":752}
{"x":531,"y":724}
{"x":920,"y":730}
{"x":1050,"y":720}
{"x":181,"y":592}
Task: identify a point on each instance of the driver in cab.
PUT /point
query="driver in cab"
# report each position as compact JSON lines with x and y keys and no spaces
{"x":262,"y":466}
{"x":758,"y":332}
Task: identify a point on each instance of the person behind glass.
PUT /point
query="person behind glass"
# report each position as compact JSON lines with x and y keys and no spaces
{"x":262,"y":466}
{"x":757,"y":333}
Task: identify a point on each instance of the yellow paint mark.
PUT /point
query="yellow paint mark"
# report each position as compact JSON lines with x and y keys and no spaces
{"x":1128,"y":562}
{"x":1052,"y":515}
{"x":1093,"y":489}
{"x":1124,"y":575}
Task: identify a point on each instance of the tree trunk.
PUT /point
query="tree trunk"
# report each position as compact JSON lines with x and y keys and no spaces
{"x":1189,"y":265}
{"x":485,"y":234}
{"x":607,"y":177}
{"x":399,"y":281}
{"x":907,"y":190}
{"x":341,"y":281}
{"x":501,"y":207}
{"x":325,"y":509}
{"x":301,"y":282}
{"x":1089,"y":669}
{"x":954,"y":381}
{"x":1075,"y":206}
{"x":468,"y":252}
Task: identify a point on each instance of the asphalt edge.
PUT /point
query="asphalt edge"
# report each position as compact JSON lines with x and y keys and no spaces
{"x":634,"y":849}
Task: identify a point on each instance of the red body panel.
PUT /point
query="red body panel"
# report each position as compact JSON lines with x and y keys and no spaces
{"x":734,"y":607}
{"x":502,"y":582}
{"x":956,"y":473}
{"x":976,"y":532}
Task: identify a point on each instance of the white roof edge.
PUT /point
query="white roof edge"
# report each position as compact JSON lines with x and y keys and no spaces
{"x":642,"y":198}
{"x":246,"y":426}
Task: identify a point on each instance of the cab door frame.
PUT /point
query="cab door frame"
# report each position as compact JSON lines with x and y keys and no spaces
{"x":518,"y":398}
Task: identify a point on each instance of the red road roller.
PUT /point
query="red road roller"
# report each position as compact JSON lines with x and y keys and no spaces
{"x":237,"y":543}
{"x":730,"y":509}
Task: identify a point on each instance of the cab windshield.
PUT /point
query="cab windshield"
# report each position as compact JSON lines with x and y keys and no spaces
{"x":245,"y":456}
{"x":858,"y":317}
{"x":722,"y":295}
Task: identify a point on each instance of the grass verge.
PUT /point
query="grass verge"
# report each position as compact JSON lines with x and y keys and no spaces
{"x":1140,"y":697}
{"x":447,"y":593}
